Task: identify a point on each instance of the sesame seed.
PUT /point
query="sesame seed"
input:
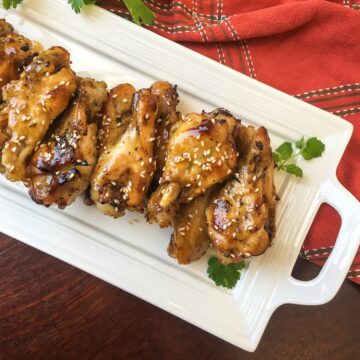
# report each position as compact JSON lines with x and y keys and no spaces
{"x":125,"y":100}
{"x":254,"y":178}
{"x":257,"y":190}
{"x":114,"y":96}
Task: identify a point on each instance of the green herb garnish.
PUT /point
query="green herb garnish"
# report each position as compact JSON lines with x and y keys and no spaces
{"x":7,"y":4}
{"x":140,"y":13}
{"x":285,"y":154}
{"x":77,"y":5}
{"x":224,"y":275}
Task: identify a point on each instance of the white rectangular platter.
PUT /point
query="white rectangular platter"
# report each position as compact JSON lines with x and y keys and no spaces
{"x":132,"y":255}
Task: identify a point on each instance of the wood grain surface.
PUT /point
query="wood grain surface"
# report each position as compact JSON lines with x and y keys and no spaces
{"x":51,"y":310}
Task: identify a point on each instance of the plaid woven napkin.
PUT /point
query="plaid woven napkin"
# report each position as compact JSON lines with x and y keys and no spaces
{"x":309,"y":49}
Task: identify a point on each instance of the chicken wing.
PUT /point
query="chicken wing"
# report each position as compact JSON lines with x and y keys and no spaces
{"x":190,"y":238}
{"x":16,"y":51}
{"x":4,"y":133}
{"x":167,"y":117}
{"x":34,"y":101}
{"x":241,"y":216}
{"x":125,"y":168}
{"x":200,"y":153}
{"x":60,"y":169}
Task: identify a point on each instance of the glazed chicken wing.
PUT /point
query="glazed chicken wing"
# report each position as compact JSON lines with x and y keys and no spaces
{"x":200,"y":153}
{"x":15,"y":52}
{"x":34,"y":101}
{"x":4,"y":133}
{"x":126,"y":166}
{"x":115,"y":117}
{"x":241,"y":216}
{"x":190,"y":238}
{"x":60,"y":169}
{"x":166,"y":118}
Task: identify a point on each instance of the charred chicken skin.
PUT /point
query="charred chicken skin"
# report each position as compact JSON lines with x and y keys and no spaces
{"x":61,"y":167}
{"x":241,"y":216}
{"x":40,"y":95}
{"x":200,"y":153}
{"x":126,"y":166}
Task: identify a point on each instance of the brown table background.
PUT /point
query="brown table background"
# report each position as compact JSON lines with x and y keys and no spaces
{"x":51,"y":310}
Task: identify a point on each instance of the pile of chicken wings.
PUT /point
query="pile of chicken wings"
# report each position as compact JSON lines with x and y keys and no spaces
{"x":206,"y":175}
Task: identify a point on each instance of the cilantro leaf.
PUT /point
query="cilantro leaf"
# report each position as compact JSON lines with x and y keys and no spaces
{"x":300,"y":143}
{"x":224,"y":275}
{"x":139,"y":12}
{"x":77,"y":5}
{"x":7,"y":4}
{"x":284,"y":151}
{"x":293,"y":169}
{"x":313,"y":148}
{"x":309,"y":149}
{"x":276,"y":157}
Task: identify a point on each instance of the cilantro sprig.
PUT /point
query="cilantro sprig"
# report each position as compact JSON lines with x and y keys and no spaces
{"x":309,"y":149}
{"x":7,"y":4}
{"x":140,"y":13}
{"x":224,"y":275}
{"x":77,"y":5}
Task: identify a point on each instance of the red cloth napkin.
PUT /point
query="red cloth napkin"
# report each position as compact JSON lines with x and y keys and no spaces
{"x":309,"y":49}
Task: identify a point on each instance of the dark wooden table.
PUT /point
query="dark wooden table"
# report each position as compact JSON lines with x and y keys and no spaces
{"x":50,"y":310}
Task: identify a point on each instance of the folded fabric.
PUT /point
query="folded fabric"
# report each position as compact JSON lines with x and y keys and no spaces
{"x":309,"y":49}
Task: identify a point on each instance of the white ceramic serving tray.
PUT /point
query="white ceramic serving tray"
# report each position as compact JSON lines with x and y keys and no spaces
{"x":130,"y":253}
